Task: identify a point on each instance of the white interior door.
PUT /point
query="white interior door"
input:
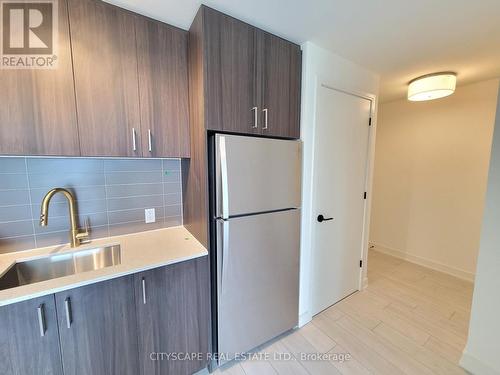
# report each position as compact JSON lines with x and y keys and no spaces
{"x":340,"y":164}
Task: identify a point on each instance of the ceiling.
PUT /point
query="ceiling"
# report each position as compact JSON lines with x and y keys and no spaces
{"x":398,"y":39}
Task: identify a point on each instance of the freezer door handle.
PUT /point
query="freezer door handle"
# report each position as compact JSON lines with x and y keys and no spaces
{"x":223,"y":178}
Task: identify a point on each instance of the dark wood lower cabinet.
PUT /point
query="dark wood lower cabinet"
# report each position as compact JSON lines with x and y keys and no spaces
{"x":150,"y":323}
{"x":29,"y":338}
{"x":173,"y":318}
{"x":98,"y":328}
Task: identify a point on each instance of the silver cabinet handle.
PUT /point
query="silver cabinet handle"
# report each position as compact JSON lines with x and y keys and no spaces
{"x":265,"y":118}
{"x":144,"y":291}
{"x":150,"y":140}
{"x":134,"y":140}
{"x":255,"y":117}
{"x":67,"y":307}
{"x":41,"y":319}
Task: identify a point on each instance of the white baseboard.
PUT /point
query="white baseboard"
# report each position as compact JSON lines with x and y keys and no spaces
{"x":461,"y":274}
{"x":475,"y":366}
{"x":365,"y":283}
{"x":304,"y":318}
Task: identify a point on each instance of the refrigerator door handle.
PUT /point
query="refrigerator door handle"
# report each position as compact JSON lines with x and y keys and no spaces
{"x":224,"y":183}
{"x":223,"y":254}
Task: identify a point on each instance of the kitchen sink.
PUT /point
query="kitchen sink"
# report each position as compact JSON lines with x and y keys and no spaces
{"x":59,"y":265}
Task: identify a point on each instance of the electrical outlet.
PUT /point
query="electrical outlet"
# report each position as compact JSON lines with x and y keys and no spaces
{"x":149,"y":215}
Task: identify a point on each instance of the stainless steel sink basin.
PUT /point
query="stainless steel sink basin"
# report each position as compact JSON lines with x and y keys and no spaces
{"x":54,"y":266}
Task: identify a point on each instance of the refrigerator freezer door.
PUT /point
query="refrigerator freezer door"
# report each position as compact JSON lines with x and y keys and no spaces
{"x":256,"y":175}
{"x":257,"y":280}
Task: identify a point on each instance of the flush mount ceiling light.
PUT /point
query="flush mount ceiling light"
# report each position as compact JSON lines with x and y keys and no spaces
{"x":432,"y":86}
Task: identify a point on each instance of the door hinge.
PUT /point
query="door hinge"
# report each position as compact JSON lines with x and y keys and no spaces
{"x":361,"y":264}
{"x":364,"y":196}
{"x":370,"y":121}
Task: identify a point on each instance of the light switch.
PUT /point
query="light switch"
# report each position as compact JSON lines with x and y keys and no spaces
{"x":150,"y":215}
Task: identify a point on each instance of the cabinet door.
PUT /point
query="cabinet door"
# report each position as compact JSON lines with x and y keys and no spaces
{"x":163,"y":87}
{"x":98,"y":328}
{"x":231,"y":102}
{"x":173,"y":317}
{"x":37,"y":112}
{"x":280,"y":85}
{"x":105,"y":68}
{"x":29,"y":338}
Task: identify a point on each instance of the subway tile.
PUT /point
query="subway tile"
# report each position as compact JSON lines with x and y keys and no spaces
{"x":65,"y":179}
{"x":173,"y":165}
{"x":15,"y":213}
{"x":125,"y":187}
{"x":66,"y":165}
{"x":125,"y":216}
{"x":126,"y":228}
{"x":173,"y":210}
{"x":118,"y":178}
{"x":62,"y":237}
{"x":58,"y":224}
{"x":172,"y":187}
{"x":16,"y":228}
{"x":13,"y":181}
{"x":10,"y":245}
{"x":61,"y":209}
{"x":14,"y":197}
{"x":12,"y":165}
{"x":119,"y":204}
{"x":123,"y":191}
{"x":173,"y":221}
{"x":169,"y":176}
{"x":132,"y":165}
{"x":52,"y":238}
{"x":173,"y":199}
{"x":99,"y":232}
{"x":81,"y":193}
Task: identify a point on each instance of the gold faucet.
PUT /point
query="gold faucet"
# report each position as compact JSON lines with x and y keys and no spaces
{"x":76,"y":236}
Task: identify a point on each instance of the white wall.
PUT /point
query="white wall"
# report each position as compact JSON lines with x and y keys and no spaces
{"x":320,"y":65}
{"x":482,"y":353}
{"x":431,"y":167}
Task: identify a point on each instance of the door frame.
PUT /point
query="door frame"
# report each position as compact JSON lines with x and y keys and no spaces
{"x":363,"y":280}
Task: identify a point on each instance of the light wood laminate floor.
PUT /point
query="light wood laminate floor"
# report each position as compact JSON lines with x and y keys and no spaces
{"x":409,"y":320}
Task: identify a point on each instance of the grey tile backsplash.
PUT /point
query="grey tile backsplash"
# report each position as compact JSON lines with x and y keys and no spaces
{"x":111,"y":194}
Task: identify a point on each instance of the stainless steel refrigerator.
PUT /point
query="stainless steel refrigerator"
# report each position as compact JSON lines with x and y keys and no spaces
{"x":256,"y":189}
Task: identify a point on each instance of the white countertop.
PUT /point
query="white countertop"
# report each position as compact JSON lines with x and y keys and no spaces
{"x":139,"y":252}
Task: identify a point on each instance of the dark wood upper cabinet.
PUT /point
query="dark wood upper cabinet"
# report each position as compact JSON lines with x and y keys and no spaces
{"x":29,"y":338}
{"x":173,"y":316}
{"x":98,"y":328}
{"x":106,"y":79}
{"x":281,"y":74}
{"x":251,"y":78}
{"x":37,"y":112}
{"x":163,"y":88}
{"x":231,"y":101}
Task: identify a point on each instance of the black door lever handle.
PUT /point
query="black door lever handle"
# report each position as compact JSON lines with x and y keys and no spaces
{"x":321,"y":218}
